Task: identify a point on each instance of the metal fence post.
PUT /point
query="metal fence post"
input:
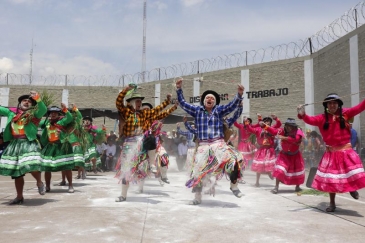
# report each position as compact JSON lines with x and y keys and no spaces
{"x":310,"y":45}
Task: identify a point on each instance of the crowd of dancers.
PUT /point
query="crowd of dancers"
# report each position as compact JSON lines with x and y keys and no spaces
{"x":67,"y":141}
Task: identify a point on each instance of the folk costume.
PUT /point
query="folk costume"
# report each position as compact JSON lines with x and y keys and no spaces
{"x":22,"y":155}
{"x":56,"y":153}
{"x":213,"y":154}
{"x":211,"y":182}
{"x":265,"y":156}
{"x":150,"y":128}
{"x":132,"y":165}
{"x":340,"y":169}
{"x":94,"y":135}
{"x":76,"y":136}
{"x":289,"y":166}
{"x":245,"y":145}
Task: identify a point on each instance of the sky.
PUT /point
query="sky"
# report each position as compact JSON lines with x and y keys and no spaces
{"x":104,"y":37}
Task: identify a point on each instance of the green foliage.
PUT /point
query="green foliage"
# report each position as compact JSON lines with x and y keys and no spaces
{"x":47,"y":97}
{"x":313,"y":192}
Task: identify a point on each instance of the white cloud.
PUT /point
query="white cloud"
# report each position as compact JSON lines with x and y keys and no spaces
{"x":190,"y":3}
{"x":159,"y":5}
{"x":6,"y":64}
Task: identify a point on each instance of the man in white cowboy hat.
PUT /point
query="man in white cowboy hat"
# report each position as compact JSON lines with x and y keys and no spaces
{"x":133,"y":161}
{"x":209,"y":124}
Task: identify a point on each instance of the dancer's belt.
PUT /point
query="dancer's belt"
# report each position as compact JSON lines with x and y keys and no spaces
{"x":338,"y":148}
{"x":19,"y":136}
{"x":289,"y":152}
{"x":208,"y":141}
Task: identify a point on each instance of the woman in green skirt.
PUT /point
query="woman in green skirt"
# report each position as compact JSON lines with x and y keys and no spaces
{"x":22,"y":155}
{"x":57,"y":154}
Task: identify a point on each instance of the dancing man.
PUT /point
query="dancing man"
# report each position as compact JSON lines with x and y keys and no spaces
{"x":213,"y":152}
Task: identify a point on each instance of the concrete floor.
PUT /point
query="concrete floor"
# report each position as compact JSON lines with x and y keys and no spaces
{"x":162,"y":214}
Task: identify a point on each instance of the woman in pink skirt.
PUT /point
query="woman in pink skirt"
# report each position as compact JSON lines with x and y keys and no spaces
{"x":289,"y":166}
{"x":340,"y":169}
{"x":244,"y":144}
{"x":265,"y":157}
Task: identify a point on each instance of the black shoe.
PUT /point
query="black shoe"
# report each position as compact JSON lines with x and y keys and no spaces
{"x":17,"y":201}
{"x":165,"y":180}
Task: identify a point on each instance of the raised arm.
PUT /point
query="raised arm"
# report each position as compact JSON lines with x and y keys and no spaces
{"x":357,"y":109}
{"x":41,"y":109}
{"x":167,"y":112}
{"x":231,"y":106}
{"x":190,"y":128}
{"x":67,"y":118}
{"x":235,"y":116}
{"x":190,"y":109}
{"x":277,"y":121}
{"x":162,"y":106}
{"x":311,"y":120}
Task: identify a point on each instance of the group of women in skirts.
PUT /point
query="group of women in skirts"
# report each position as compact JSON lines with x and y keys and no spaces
{"x":339,"y":171}
{"x":63,"y":141}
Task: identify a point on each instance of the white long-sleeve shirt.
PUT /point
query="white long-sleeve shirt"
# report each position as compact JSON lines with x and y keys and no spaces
{"x":182,"y":148}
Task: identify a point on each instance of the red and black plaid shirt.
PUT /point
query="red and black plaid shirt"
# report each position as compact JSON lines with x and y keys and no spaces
{"x":135,"y":120}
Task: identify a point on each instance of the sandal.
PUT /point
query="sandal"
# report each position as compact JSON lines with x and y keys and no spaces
{"x":331,"y":208}
{"x":355,"y":195}
{"x":275,"y":190}
{"x":63,"y":183}
{"x":48,"y":189}
{"x":120,"y":199}
{"x":41,"y":189}
{"x":17,"y":201}
{"x":257,"y":185}
{"x":78,"y":177}
{"x":71,"y":190}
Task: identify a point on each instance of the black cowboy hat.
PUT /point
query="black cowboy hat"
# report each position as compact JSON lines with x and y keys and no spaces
{"x":216,"y":95}
{"x":267,"y":119}
{"x":134,"y":96}
{"x":291,"y":122}
{"x":87,"y":118}
{"x":54,"y":109}
{"x":23,"y":97}
{"x":147,"y":104}
{"x":333,"y":97}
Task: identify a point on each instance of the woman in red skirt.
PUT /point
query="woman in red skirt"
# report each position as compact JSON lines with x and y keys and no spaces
{"x":289,"y":166}
{"x":244,"y":144}
{"x":265,"y":157}
{"x":340,"y":169}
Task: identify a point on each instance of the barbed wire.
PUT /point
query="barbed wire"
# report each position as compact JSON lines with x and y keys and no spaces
{"x":349,"y":21}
